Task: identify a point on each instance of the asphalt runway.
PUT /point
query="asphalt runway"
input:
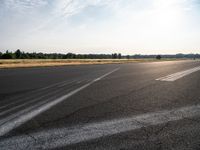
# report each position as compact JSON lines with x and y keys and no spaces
{"x":152,"y":105}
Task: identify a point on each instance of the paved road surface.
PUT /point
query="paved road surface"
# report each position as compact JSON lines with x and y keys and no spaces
{"x":115,"y":106}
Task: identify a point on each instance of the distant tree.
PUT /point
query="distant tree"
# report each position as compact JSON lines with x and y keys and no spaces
{"x":119,"y":56}
{"x":32,"y":55}
{"x":18,"y":54}
{"x":127,"y":56}
{"x":70,"y":55}
{"x":24,"y":56}
{"x":114,"y":56}
{"x":7,"y":55}
{"x":180,"y":55}
{"x":158,"y":57}
{"x":1,"y":55}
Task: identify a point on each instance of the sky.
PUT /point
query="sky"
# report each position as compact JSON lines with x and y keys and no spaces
{"x":100,"y":26}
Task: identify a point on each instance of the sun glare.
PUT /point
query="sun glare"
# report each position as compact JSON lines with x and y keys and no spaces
{"x":167,"y":14}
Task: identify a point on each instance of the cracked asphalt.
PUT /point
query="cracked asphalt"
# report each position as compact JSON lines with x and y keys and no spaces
{"x":128,"y":92}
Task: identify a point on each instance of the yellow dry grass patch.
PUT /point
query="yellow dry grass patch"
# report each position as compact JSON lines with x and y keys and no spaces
{"x":21,"y":63}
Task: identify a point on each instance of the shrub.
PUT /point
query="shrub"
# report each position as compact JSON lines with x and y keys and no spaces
{"x":6,"y":56}
{"x":158,"y":57}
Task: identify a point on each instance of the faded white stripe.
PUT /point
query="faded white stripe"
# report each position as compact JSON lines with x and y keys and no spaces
{"x":21,"y":97}
{"x":27,"y":103}
{"x":178,"y":75}
{"x":56,"y":138}
{"x":19,"y":120}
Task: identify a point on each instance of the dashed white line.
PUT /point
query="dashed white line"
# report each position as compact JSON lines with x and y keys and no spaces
{"x":178,"y":75}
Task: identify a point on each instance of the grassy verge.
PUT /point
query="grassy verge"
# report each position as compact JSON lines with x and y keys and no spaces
{"x":21,"y":63}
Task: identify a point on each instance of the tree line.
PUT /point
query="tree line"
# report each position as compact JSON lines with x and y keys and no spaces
{"x":18,"y":54}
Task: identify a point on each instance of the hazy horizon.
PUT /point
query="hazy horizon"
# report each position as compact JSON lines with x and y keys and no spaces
{"x":106,"y":53}
{"x":101,"y":26}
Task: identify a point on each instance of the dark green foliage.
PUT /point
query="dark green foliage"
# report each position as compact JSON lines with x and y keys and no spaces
{"x":7,"y":55}
{"x":114,"y":56}
{"x":119,"y":56}
{"x":127,"y":56}
{"x":18,"y":54}
{"x":158,"y":57}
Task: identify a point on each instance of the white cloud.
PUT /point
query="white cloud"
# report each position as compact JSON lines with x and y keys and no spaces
{"x":70,"y":7}
{"x":23,"y":6}
{"x":12,"y":4}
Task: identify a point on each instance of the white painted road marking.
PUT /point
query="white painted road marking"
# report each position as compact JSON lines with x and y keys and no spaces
{"x":97,"y":79}
{"x":19,"y":120}
{"x":178,"y":75}
{"x":41,"y":89}
{"x":59,"y":137}
{"x":27,"y":103}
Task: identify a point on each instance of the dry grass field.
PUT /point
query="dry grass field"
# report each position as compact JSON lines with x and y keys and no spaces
{"x":21,"y":63}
